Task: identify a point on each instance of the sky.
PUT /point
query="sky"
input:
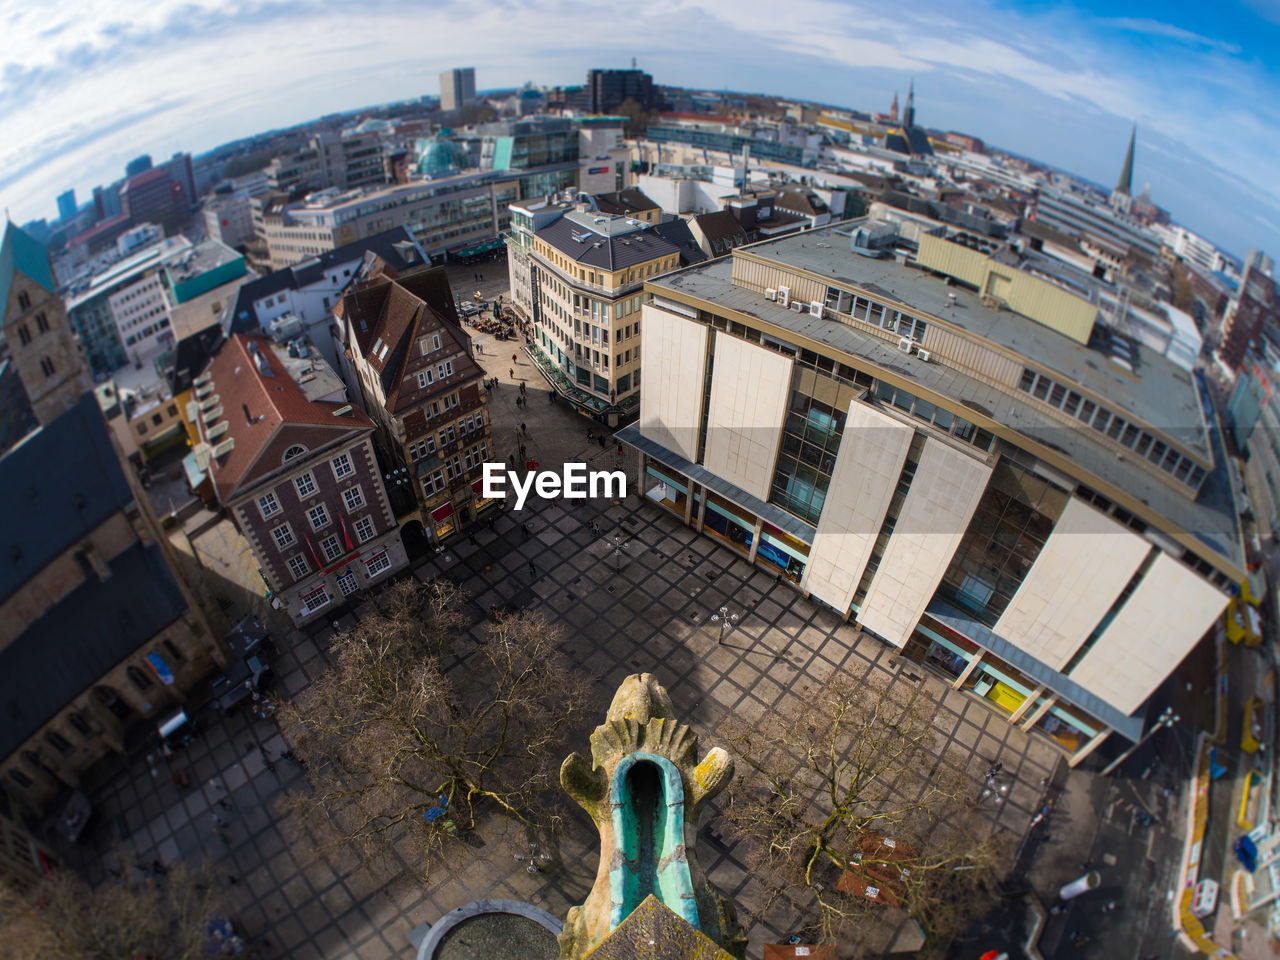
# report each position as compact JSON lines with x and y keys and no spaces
{"x":87,"y":84}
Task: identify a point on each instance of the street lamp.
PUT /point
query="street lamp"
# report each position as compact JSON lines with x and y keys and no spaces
{"x":532,"y":858}
{"x":618,"y":546}
{"x":726,"y":620}
{"x":1166,"y":719}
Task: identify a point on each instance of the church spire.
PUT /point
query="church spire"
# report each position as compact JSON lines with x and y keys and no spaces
{"x":1125,"y":183}
{"x":893,"y":108}
{"x":909,"y":115}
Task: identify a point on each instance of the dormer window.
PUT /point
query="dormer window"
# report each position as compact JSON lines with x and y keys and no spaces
{"x":293,"y":452}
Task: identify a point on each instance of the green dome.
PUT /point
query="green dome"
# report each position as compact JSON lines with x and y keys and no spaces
{"x":440,"y":157}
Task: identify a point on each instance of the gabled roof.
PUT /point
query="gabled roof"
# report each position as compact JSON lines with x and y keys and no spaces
{"x":397,"y":250}
{"x":83,"y":637}
{"x":677,"y":232}
{"x":802,"y":202}
{"x":61,"y":482}
{"x":384,"y":320}
{"x":624,"y":202}
{"x":21,"y":253}
{"x":264,"y":411}
{"x":721,"y":225}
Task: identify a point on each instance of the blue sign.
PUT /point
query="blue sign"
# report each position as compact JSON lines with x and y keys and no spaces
{"x":435,"y":812}
{"x":156,"y":662}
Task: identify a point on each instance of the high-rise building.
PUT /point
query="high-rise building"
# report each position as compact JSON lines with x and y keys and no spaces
{"x":45,"y":352}
{"x":950,"y":454}
{"x":609,"y":88}
{"x":155,"y":197}
{"x":137,"y":165}
{"x":67,"y":205}
{"x":457,"y":88}
{"x":1256,"y":302}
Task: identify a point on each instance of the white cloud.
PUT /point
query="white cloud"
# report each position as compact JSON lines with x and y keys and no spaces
{"x":88,"y":83}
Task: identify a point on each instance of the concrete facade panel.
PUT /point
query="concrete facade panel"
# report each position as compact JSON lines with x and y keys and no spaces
{"x":943,"y":495}
{"x":671,"y":380}
{"x":1084,"y":565}
{"x":749,"y":392}
{"x":872,"y":451}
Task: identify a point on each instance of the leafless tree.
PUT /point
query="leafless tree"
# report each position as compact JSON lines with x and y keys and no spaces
{"x":407,"y":739}
{"x":127,"y":916}
{"x":849,"y":812}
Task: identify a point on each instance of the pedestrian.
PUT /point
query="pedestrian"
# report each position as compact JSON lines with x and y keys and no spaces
{"x":523,"y":452}
{"x":522,"y":387}
{"x":590,"y":435}
{"x":513,"y":358}
{"x":511,"y":461}
{"x":512,"y":372}
{"x":533,"y":571}
{"x":158,"y":868}
{"x":226,"y":841}
{"x":602,"y":441}
{"x":619,"y":448}
{"x":551,"y":396}
{"x":492,"y":528}
{"x":232,"y":879}
{"x":524,"y":531}
{"x":217,"y":820}
{"x":523,"y":429}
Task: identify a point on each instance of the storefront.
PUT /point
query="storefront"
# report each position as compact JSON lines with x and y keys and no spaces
{"x":780,"y":551}
{"x":668,"y":489}
{"x":481,"y":502}
{"x":444,"y":522}
{"x":969,"y":666}
{"x":729,"y":522}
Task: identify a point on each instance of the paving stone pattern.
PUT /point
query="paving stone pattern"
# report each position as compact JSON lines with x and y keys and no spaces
{"x":646,"y":607}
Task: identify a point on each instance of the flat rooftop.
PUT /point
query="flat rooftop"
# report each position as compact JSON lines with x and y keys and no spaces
{"x":1158,"y":393}
{"x":1211,"y":518}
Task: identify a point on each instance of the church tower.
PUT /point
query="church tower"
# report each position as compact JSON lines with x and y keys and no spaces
{"x":45,"y":354}
{"x":893,"y":108}
{"x":1122,"y":195}
{"x":909,"y":115}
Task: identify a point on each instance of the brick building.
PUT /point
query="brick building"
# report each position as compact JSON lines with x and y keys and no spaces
{"x":411,"y":358}
{"x":292,"y":461}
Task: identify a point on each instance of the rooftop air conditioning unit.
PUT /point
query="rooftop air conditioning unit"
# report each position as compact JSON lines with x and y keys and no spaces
{"x":904,"y":344}
{"x":815,"y":308}
{"x":784,"y":296}
{"x":797,"y":306}
{"x":924,"y":355}
{"x":770,"y":293}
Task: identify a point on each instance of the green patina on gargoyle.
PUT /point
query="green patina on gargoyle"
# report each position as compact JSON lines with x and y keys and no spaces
{"x":645,"y":788}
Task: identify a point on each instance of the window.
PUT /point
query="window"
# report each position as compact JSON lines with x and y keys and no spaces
{"x":283,"y":536}
{"x":299,"y":567}
{"x":435,"y":341}
{"x":353,"y":498}
{"x":342,"y":466}
{"x":47,"y":366}
{"x":24,"y":300}
{"x":332,"y":547}
{"x":24,"y":334}
{"x":305,"y":484}
{"x":424,"y":379}
{"x":81,"y":725}
{"x":378,"y":563}
{"x":444,"y":369}
{"x":315,"y":600}
{"x":417,"y":450}
{"x":319,"y":516}
{"x":364,"y":529}
{"x":268,"y":505}
{"x":174,"y":653}
{"x":18,"y":777}
{"x":347,"y":584}
{"x":138,"y":678}
{"x":57,"y":742}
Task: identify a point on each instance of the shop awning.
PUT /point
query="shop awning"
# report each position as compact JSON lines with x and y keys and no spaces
{"x":475,"y":249}
{"x":443,"y":513}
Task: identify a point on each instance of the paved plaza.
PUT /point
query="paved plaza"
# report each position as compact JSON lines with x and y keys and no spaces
{"x":644,"y":607}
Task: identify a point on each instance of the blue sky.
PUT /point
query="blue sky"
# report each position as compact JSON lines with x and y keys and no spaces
{"x":87,"y":84}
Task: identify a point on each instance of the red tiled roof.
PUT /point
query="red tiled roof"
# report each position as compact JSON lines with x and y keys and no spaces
{"x":264,"y":412}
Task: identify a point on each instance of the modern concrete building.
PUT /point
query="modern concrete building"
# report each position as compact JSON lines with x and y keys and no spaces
{"x":457,"y":88}
{"x":292,"y":461}
{"x":410,"y":359}
{"x":1255,"y":304}
{"x":578,"y":273}
{"x":42,"y":345}
{"x":608,"y":89}
{"x":939,"y":451}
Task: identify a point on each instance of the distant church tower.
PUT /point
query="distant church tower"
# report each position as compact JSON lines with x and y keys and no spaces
{"x":45,"y":354}
{"x":893,"y":108}
{"x":909,"y":115}
{"x":1122,"y":195}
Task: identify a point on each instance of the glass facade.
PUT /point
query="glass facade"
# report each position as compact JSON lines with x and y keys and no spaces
{"x":810,"y":439}
{"x":1010,"y":526}
{"x":729,"y":522}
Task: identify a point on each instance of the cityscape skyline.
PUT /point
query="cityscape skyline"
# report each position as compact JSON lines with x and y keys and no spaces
{"x":84,"y":92}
